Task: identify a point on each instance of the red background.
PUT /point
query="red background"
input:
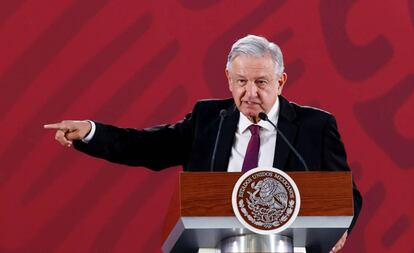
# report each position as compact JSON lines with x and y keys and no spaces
{"x":139,"y":63}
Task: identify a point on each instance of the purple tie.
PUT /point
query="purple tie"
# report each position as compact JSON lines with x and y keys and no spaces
{"x":251,"y":159}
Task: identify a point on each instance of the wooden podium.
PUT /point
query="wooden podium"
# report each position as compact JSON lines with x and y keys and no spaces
{"x":201,"y":215}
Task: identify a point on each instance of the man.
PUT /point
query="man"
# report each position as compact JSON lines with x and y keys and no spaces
{"x":256,"y":77}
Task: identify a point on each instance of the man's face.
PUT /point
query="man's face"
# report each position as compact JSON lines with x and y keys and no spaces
{"x":254,"y":85}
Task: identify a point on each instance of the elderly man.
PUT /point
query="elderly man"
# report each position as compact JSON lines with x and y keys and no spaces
{"x":256,"y":77}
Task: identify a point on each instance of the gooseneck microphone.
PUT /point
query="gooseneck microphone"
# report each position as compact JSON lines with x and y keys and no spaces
{"x":223,"y":114}
{"x":264,"y":117}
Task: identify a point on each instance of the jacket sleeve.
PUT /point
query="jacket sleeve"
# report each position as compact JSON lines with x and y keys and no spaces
{"x":156,"y":148}
{"x":334,"y":158}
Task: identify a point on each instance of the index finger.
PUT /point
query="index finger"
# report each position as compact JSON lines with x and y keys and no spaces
{"x":55,"y":126}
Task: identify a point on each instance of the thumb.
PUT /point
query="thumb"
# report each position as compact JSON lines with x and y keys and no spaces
{"x":73,"y":135}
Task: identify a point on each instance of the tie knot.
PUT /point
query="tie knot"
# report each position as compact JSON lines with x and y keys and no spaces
{"x":254,"y":129}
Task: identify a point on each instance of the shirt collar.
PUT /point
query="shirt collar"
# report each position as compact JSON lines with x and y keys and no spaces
{"x":273,"y":116}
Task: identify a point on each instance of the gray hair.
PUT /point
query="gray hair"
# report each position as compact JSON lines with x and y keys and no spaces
{"x":257,"y":46}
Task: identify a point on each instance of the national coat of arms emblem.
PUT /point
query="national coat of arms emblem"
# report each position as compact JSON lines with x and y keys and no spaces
{"x":266,"y":201}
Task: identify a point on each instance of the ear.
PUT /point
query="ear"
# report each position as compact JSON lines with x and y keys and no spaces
{"x":281,"y":82}
{"x":229,"y":80}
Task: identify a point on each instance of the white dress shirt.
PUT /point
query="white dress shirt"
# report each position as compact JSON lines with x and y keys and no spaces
{"x":268,"y":136}
{"x":90,"y":135}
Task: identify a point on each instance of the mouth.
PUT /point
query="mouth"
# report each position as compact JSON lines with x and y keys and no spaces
{"x":250,"y":103}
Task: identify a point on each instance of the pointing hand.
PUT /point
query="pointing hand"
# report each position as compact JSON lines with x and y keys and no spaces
{"x":69,"y":130}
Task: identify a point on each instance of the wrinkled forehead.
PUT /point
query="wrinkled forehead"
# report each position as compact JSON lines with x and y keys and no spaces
{"x":253,"y":66}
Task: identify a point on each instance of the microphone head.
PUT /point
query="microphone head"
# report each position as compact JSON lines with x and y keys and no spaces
{"x":223,"y":113}
{"x":263,"y":116}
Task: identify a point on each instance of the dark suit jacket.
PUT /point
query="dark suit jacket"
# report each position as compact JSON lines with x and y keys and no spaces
{"x":190,"y":142}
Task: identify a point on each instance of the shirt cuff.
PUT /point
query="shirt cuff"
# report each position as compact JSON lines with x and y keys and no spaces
{"x":90,"y":135}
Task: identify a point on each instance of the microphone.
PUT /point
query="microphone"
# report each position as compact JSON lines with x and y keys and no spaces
{"x":223,"y":114}
{"x":264,"y":117}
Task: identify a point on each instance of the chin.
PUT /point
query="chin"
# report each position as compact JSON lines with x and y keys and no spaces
{"x":250,"y":114}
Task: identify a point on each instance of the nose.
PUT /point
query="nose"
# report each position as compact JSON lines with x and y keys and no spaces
{"x":251,"y":89}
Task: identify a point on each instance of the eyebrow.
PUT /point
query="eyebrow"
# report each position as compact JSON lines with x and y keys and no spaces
{"x":260,"y":77}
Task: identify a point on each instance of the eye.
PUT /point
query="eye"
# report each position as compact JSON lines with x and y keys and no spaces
{"x":261,"y":82}
{"x":241,"y":82}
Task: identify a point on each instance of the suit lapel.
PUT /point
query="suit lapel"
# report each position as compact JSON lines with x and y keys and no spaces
{"x":286,"y":126}
{"x":226,"y":139}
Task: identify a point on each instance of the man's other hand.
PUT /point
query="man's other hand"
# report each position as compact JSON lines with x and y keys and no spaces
{"x":340,"y":244}
{"x":69,"y":130}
